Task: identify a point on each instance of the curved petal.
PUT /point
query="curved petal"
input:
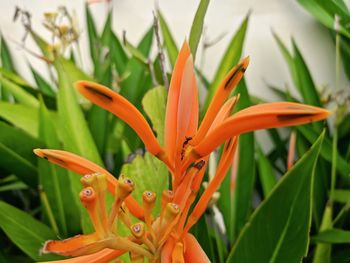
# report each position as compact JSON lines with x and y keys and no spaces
{"x":226,"y":86}
{"x":83,"y":166}
{"x":262,"y":116}
{"x":123,"y":109}
{"x":173,"y":101}
{"x":193,"y":251}
{"x":102,"y":256}
{"x":74,"y":246}
{"x":224,"y":164}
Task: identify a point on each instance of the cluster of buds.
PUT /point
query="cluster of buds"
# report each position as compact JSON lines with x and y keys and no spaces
{"x":147,"y":237}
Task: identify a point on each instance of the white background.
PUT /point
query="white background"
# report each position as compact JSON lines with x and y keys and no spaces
{"x":285,"y":17}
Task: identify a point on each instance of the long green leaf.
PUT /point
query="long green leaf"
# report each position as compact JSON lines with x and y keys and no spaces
{"x":333,"y":236}
{"x":16,"y":151}
{"x":278,"y":231}
{"x":19,"y":93}
{"x":197,"y":26}
{"x":245,"y":177}
{"x":266,"y":173}
{"x":22,"y":116}
{"x":26,"y":232}
{"x":169,"y":41}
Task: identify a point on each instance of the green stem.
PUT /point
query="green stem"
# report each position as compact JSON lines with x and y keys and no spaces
{"x":334,"y":163}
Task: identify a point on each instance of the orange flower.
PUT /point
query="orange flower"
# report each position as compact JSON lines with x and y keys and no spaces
{"x":166,"y":237}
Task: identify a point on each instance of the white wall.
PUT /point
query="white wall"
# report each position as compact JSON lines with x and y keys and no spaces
{"x":286,"y":18}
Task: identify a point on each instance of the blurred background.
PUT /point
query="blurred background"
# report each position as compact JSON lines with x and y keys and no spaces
{"x":286,"y":18}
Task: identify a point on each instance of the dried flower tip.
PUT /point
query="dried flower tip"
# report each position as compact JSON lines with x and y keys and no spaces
{"x":138,"y":230}
{"x":87,"y":195}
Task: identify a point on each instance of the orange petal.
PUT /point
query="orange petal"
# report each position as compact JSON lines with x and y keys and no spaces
{"x":262,"y":116}
{"x":74,"y":246}
{"x":224,"y":165}
{"x":167,"y":251}
{"x":83,"y":166}
{"x":123,"y":109}
{"x":187,"y":112}
{"x":173,"y":101}
{"x":103,"y":256}
{"x":224,"y":112}
{"x":226,"y":86}
{"x":193,"y":251}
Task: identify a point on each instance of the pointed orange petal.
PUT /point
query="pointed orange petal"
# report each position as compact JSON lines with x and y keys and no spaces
{"x":123,"y":109}
{"x":226,"y":86}
{"x":83,"y":166}
{"x":224,"y":112}
{"x":224,"y":165}
{"x":193,"y":251}
{"x":187,"y":112}
{"x":262,"y":116}
{"x":74,"y":246}
{"x":173,"y":100}
{"x":103,"y":256}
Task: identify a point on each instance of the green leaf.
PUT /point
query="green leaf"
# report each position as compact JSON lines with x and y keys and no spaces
{"x":154,"y":104}
{"x":42,"y":84}
{"x":148,"y":173}
{"x":266,"y":173}
{"x":117,"y":54}
{"x":134,"y":86}
{"x":16,"y":151}
{"x":6,"y":58}
{"x":332,"y":236}
{"x":55,"y":181}
{"x":26,"y":232}
{"x":16,"y":185}
{"x":287,"y":56}
{"x":94,"y":42}
{"x":341,"y":195}
{"x":197,"y":26}
{"x":19,"y":93}
{"x":22,"y":116}
{"x":305,"y":82}
{"x":278,"y":230}
{"x":169,"y":41}
{"x":245,"y":175}
{"x":324,"y":15}
{"x":230,"y":58}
